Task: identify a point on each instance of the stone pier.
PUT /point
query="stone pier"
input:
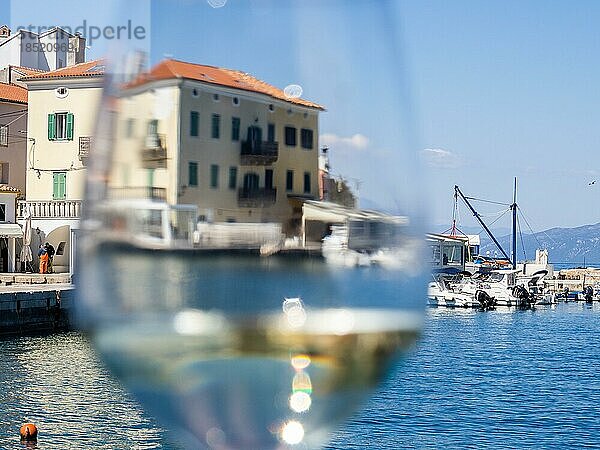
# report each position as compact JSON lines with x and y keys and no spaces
{"x":31,"y":303}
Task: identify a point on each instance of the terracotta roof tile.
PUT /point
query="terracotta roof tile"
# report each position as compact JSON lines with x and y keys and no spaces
{"x":13,"y":93}
{"x":27,"y":71}
{"x":93,"y":68}
{"x":171,"y":68}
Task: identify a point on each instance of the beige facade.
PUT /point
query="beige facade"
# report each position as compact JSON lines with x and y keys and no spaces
{"x":61,"y":122}
{"x":63,"y":154}
{"x":231,"y":176}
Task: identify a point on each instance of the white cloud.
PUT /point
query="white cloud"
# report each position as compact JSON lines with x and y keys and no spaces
{"x":355,"y":142}
{"x":441,"y":159}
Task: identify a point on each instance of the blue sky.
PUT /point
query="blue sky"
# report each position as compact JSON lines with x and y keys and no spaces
{"x":483,"y":91}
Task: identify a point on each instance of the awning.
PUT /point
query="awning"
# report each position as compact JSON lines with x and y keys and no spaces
{"x":334,"y":213}
{"x":10,"y":230}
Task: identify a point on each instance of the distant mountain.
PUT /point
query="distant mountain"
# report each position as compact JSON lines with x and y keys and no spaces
{"x":566,"y":246}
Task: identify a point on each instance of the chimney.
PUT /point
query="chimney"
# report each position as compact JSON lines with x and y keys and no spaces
{"x":77,"y":53}
{"x":4,"y":33}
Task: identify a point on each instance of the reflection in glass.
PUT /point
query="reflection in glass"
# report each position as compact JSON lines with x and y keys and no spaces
{"x":235,"y":280}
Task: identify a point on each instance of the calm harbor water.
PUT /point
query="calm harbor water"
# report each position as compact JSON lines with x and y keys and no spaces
{"x":505,"y":379}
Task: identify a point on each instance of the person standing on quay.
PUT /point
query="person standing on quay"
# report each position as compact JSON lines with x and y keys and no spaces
{"x":43,"y":254}
{"x":50,"y":250}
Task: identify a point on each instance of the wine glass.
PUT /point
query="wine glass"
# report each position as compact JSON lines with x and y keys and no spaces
{"x":251,"y":259}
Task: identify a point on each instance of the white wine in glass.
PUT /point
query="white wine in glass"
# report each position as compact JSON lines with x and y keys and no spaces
{"x":251,"y":261}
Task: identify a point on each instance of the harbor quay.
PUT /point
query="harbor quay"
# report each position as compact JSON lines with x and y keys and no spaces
{"x":32,"y":303}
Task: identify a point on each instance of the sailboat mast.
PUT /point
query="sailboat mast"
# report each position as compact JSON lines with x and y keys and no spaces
{"x":480,"y":220}
{"x":514,"y":226}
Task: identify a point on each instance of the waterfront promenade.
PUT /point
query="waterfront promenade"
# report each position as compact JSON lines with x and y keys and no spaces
{"x":31,"y":302}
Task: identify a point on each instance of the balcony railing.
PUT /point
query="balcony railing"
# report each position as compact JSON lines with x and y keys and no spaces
{"x":51,"y":209}
{"x":137,"y":192}
{"x":154,"y":153}
{"x":259,"y":153}
{"x":256,"y":198}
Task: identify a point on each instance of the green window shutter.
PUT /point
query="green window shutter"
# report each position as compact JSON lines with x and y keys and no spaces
{"x":193,"y":174}
{"x":51,"y":127}
{"x":232,"y":177}
{"x":59,"y":181}
{"x":63,"y":186}
{"x":235,"y":128}
{"x":214,"y":176}
{"x":194,"y":123}
{"x":70,"y":120}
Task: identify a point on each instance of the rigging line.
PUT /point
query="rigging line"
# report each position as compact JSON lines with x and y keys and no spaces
{"x":493,"y":214}
{"x":487,"y":201}
{"x":521,"y":236}
{"x":535,"y":234}
{"x":497,"y":219}
{"x":532,"y":232}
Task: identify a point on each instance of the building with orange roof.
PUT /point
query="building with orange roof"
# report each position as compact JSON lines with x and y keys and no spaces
{"x":13,"y":135}
{"x":62,"y":117}
{"x":13,"y":151}
{"x":238,"y":148}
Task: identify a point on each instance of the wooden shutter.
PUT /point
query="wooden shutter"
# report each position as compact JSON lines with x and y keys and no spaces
{"x":59,"y":180}
{"x":70,"y":120}
{"x":62,"y":185}
{"x":51,"y":127}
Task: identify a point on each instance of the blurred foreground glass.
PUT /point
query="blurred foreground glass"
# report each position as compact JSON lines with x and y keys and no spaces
{"x":251,"y":262}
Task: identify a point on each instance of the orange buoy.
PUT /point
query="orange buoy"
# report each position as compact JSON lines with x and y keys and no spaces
{"x":28,"y":432}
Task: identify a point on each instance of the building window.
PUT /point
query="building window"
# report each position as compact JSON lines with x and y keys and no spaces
{"x":289,"y":180}
{"x":194,"y":92}
{"x":194,"y":121}
{"x":192,"y":174}
{"x":59,"y":185}
{"x":235,"y":101}
{"x":251,"y":181}
{"x":153,"y":127}
{"x":307,"y":182}
{"x":254,"y":134}
{"x":61,"y":92}
{"x":290,"y":136}
{"x":2,"y":212}
{"x":3,"y":135}
{"x":271,"y":132}
{"x":216,"y":126}
{"x":306,"y":138}
{"x":60,"y":126}
{"x":232,"y":177}
{"x":271,"y":107}
{"x":268,"y":178}
{"x":129,"y":128}
{"x":4,"y":173}
{"x":214,"y":176}
{"x":235,"y":128}
{"x":216,"y":98}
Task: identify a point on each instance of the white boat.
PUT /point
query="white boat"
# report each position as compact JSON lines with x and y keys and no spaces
{"x":456,"y":292}
{"x":502,"y":285}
